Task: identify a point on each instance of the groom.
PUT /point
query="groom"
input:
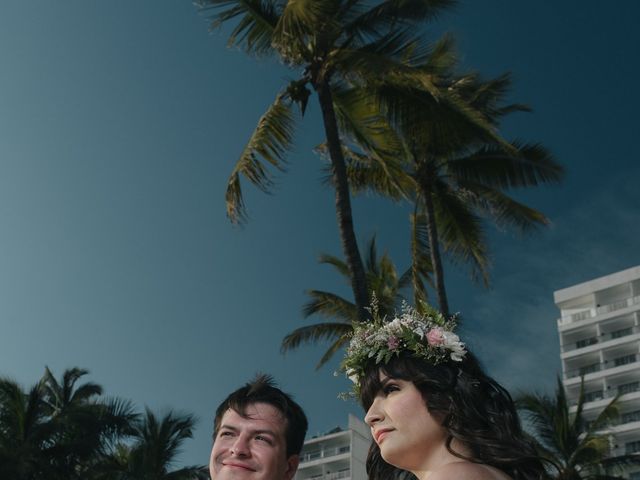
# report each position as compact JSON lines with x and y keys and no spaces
{"x":258,"y":433}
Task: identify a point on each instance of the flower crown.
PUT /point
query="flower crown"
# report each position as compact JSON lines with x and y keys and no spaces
{"x":427,"y":336}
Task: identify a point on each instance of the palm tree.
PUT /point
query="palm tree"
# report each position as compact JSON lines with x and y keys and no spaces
{"x":341,"y":48}
{"x":85,"y":424}
{"x":456,"y":174}
{"x":58,"y":430}
{"x":157,"y":443}
{"x":576,"y":448}
{"x":24,"y":431}
{"x":383,"y":282}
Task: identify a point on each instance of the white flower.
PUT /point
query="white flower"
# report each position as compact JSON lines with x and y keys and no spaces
{"x":395,"y":326}
{"x":453,"y":343}
{"x":450,"y":338}
{"x":353,"y":376}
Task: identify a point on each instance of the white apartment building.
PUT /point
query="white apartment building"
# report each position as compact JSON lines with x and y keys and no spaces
{"x":338,"y":454}
{"x":599,"y":330}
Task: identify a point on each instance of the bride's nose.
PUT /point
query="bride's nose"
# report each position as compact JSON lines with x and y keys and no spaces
{"x":375,"y":413}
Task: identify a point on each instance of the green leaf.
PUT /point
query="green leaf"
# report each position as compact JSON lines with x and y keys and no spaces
{"x":257,"y":21}
{"x":460,"y":231}
{"x":301,"y":21}
{"x":389,"y":14}
{"x":528,"y":166}
{"x":269,"y":142}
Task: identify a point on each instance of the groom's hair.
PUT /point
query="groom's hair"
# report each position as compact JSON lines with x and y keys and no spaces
{"x":262,"y":389}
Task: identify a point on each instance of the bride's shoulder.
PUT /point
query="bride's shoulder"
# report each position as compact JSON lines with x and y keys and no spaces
{"x":468,"y":471}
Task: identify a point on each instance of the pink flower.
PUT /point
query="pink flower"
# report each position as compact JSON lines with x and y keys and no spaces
{"x":393,"y":343}
{"x":435,"y":336}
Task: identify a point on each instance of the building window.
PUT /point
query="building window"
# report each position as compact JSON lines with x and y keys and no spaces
{"x":307,"y":457}
{"x":593,"y":396}
{"x":581,"y":315}
{"x":619,"y":305}
{"x":628,"y":388}
{"x":594,"y":367}
{"x":625,"y":360}
{"x":631,"y":417}
{"x":586,"y":342}
{"x":344,"y":473}
{"x":622,"y":333}
{"x":632,"y":447}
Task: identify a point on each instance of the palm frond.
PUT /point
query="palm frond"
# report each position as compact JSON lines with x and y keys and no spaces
{"x":488,"y":95}
{"x":540,"y":414}
{"x":380,"y":177}
{"x":491,"y":165}
{"x":158,"y":442}
{"x":382,"y":279}
{"x":188,"y":473}
{"x":502,"y":209}
{"x":119,"y":417}
{"x":477,"y":119}
{"x":441,"y":58}
{"x":340,"y":265}
{"x":460,"y":232}
{"x":391,"y":58}
{"x":390,"y":14}
{"x":269,"y":142}
{"x":331,"y":351}
{"x":429,"y":124}
{"x":371,"y":260}
{"x":607,"y":415}
{"x":301,"y":21}
{"x":254,"y":29}
{"x":329,"y":305}
{"x":315,"y":333}
{"x":360,"y":119}
{"x":430,"y":109}
{"x":562,"y":436}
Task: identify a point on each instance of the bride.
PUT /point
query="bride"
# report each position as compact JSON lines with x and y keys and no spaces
{"x":432,"y":410}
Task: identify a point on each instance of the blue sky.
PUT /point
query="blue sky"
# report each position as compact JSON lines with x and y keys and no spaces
{"x":119,"y":124}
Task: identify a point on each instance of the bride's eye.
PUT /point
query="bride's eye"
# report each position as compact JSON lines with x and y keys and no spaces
{"x":390,"y":387}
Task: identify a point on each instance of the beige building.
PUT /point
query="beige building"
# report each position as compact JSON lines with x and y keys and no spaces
{"x":338,"y":454}
{"x":599,"y":330}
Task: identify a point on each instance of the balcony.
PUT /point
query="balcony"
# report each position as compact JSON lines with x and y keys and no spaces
{"x":629,"y":417}
{"x":601,"y":310}
{"x":587,"y":342}
{"x":337,"y":475}
{"x":332,"y":476}
{"x":593,"y":396}
{"x":623,"y":389}
{"x":328,"y":452}
{"x":632,"y":447}
{"x":598,"y":367}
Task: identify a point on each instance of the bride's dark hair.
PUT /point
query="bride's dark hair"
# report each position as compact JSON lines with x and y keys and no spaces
{"x":472,"y":407}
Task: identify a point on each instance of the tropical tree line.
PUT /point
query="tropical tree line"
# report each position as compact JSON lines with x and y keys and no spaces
{"x":62,"y":429}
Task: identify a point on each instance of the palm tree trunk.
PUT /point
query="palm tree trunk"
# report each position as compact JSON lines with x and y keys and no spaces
{"x":419,"y":293}
{"x":434,"y":251}
{"x":343,"y":201}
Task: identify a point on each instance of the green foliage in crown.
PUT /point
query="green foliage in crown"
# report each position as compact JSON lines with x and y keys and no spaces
{"x":425,"y":334}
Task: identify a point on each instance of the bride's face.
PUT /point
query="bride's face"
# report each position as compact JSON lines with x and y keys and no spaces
{"x":407,"y":434}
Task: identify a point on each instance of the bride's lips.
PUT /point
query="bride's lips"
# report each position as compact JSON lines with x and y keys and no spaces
{"x":379,"y":435}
